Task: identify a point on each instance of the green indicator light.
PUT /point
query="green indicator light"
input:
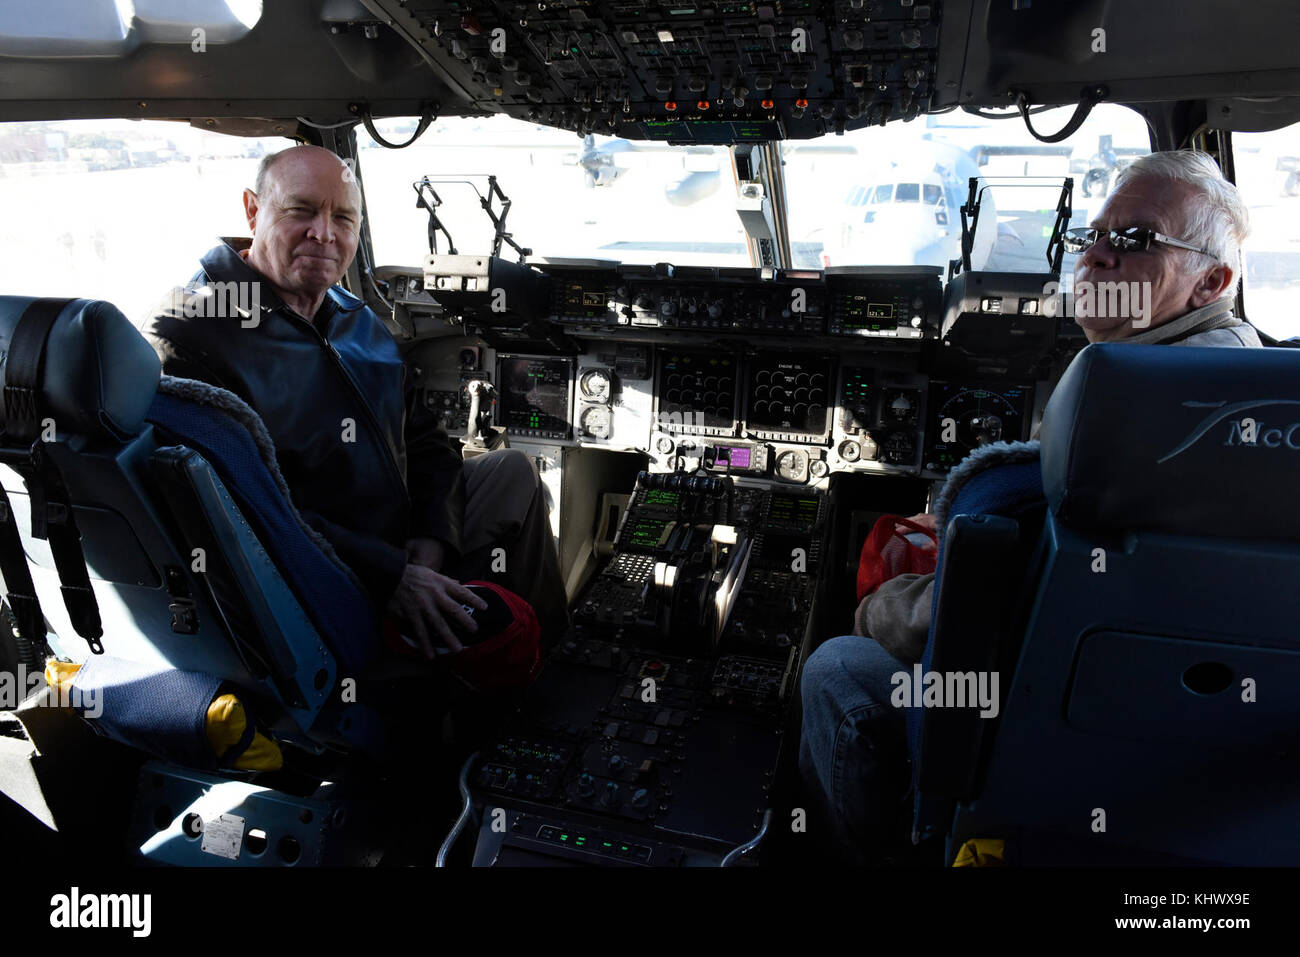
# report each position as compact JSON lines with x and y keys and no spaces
{"x":606,"y":844}
{"x":564,"y":837}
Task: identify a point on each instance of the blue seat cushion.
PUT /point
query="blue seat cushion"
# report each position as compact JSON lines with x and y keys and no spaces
{"x":329,"y":593}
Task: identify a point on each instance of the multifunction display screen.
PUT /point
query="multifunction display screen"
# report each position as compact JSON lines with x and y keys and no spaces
{"x":535,"y":395}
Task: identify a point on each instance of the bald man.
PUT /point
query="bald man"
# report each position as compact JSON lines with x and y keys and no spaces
{"x":367,"y":466}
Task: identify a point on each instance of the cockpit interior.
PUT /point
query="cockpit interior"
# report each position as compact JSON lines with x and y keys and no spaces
{"x":718,"y":419}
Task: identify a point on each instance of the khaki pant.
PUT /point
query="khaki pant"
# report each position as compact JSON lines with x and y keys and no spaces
{"x":505,"y":508}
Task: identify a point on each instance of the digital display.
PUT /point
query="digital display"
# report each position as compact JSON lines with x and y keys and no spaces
{"x":857,"y":311}
{"x":869,"y":312}
{"x":643,"y":533}
{"x":658,"y":498}
{"x":585,"y":299}
{"x":799,"y":510}
{"x":788,"y":395}
{"x":736,"y":456}
{"x":966,"y":415}
{"x":872,"y":303}
{"x":535,"y":395}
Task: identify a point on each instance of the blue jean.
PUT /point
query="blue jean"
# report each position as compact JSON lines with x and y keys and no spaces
{"x":853,"y":750}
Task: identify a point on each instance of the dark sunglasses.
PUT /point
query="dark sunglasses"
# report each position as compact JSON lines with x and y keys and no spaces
{"x":1132,"y":239}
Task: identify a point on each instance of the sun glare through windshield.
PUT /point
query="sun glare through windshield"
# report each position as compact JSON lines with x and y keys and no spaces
{"x":119,"y":209}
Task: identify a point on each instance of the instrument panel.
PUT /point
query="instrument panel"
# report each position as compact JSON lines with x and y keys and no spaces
{"x":787,"y":397}
{"x":697,"y":393}
{"x":715,"y":72}
{"x":782,"y":416}
{"x":788,"y":377}
{"x":740,"y":394}
{"x":860,"y":302}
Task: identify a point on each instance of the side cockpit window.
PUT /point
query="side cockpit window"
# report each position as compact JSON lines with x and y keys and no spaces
{"x":118,"y":210}
{"x":1268,"y":175}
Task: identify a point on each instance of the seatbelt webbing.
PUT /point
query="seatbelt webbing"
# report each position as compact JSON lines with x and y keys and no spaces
{"x":52,"y":516}
{"x":21,"y":592}
{"x":65,"y":544}
{"x":24,"y":367}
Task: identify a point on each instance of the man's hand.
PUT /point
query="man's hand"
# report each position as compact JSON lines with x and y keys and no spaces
{"x":925,"y":520}
{"x":428,"y":552}
{"x":425,"y":601}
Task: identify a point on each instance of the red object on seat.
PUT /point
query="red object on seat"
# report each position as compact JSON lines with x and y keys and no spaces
{"x":887,"y":553}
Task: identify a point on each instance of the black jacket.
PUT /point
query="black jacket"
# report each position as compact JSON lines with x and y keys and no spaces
{"x":306,"y":380}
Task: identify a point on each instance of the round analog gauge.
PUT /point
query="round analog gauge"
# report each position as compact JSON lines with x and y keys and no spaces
{"x":818,"y":469}
{"x":595,"y":385}
{"x":597,"y":422}
{"x":792,"y":465}
{"x":901,"y":407}
{"x":899,"y":449}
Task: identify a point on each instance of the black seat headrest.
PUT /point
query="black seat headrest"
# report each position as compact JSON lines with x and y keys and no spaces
{"x":99,"y":375}
{"x":1187,"y":440}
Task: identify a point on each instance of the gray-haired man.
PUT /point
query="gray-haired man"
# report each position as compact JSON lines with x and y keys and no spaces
{"x":1165,"y":247}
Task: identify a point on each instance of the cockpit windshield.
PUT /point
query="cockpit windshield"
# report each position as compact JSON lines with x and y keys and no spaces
{"x":88,"y":191}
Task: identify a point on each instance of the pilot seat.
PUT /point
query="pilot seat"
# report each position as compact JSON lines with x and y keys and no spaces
{"x":146,"y":534}
{"x":1145,"y":639}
